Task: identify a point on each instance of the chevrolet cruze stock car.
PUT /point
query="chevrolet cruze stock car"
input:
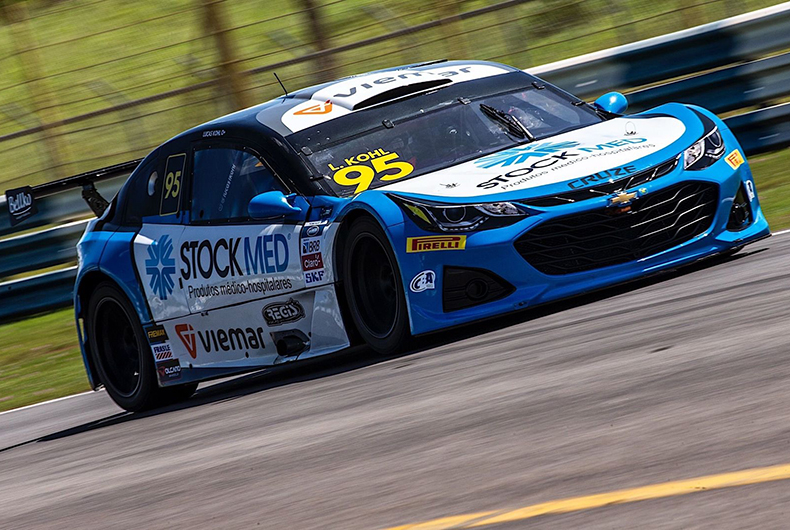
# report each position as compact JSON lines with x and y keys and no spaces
{"x":388,"y":205}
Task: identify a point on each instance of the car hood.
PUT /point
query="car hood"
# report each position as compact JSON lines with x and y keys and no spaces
{"x":605,"y":151}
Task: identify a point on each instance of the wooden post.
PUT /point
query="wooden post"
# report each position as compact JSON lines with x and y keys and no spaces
{"x":324,"y":66}
{"x":451,"y":27}
{"x":24,"y":46}
{"x":231,"y":81}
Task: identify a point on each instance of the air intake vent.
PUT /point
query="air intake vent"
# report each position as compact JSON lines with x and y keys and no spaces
{"x":402,"y":92}
{"x":470,"y":287}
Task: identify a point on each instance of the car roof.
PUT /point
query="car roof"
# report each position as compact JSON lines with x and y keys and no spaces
{"x":310,"y":106}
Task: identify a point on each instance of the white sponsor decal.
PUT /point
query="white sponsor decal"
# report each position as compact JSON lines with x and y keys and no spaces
{"x":162,"y":351}
{"x":573,"y":157}
{"x":316,"y":276}
{"x":311,"y":245}
{"x":750,"y":190}
{"x":423,"y":282}
{"x":246,"y":334}
{"x":338,"y":99}
{"x":200,"y":268}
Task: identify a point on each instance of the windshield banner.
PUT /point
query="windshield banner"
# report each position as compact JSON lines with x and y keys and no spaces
{"x":614,"y":147}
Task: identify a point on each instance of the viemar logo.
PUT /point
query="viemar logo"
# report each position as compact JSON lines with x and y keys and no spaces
{"x":161,"y":266}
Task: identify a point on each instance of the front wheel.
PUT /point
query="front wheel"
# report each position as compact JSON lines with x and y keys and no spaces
{"x":373,"y":288}
{"x":122,"y":355}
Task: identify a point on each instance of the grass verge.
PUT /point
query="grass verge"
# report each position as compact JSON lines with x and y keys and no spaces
{"x":40,"y":359}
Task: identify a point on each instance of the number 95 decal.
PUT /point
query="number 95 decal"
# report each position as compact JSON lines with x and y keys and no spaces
{"x":171,"y":191}
{"x":360,"y":170}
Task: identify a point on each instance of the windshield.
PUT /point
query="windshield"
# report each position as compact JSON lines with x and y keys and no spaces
{"x":456,"y":132}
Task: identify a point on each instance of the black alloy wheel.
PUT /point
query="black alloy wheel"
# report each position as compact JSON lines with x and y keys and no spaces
{"x":122,"y":356}
{"x":373,"y":287}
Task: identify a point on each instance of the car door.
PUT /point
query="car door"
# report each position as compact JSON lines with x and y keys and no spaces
{"x":155,"y":204}
{"x":227,"y":259}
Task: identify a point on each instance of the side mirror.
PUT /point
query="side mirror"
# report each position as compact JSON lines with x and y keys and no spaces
{"x":270,"y":205}
{"x":612,"y":102}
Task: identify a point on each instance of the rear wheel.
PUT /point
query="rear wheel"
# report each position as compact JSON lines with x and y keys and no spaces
{"x":122,"y":355}
{"x":373,"y":288}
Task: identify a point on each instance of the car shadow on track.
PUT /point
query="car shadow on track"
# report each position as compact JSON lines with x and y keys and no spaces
{"x":360,"y":356}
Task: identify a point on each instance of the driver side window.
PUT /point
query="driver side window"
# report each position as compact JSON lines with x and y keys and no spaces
{"x":225,"y":180}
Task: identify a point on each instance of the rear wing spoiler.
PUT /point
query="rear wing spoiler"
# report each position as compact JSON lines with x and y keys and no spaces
{"x":21,"y":202}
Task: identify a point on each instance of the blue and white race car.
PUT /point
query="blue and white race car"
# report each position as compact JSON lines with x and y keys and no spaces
{"x":388,"y":205}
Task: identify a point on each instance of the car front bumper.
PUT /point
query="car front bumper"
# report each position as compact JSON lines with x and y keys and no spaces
{"x":493,"y":252}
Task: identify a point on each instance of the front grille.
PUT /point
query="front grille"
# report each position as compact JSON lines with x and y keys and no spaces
{"x":604,"y":188}
{"x":610,"y":236}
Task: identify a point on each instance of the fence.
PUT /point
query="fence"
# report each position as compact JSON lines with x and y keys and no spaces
{"x":167,"y":66}
{"x":721,"y":65}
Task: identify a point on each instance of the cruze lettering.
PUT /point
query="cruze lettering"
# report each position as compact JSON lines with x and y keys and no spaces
{"x":602,"y":176}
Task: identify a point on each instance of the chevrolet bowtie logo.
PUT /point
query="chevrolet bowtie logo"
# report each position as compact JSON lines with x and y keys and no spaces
{"x":622,"y":198}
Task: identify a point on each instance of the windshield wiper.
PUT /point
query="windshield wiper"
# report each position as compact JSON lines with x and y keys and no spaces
{"x":508,"y":120}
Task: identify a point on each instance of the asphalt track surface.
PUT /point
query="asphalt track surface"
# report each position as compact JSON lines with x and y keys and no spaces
{"x":683,"y":376}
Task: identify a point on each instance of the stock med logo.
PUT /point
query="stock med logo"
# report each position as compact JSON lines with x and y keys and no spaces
{"x":519,"y":155}
{"x":161,"y":266}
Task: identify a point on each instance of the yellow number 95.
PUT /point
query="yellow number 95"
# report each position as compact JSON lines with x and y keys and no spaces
{"x":172,"y":184}
{"x":362,"y":176}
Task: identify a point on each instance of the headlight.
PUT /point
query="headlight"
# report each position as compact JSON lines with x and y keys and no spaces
{"x":438,"y":217}
{"x":704,"y":152}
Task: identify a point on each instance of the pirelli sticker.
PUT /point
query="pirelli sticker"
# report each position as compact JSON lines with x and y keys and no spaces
{"x":734,"y":159}
{"x":431,"y":243}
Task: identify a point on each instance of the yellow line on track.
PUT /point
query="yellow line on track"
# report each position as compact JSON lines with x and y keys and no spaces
{"x":574,"y":504}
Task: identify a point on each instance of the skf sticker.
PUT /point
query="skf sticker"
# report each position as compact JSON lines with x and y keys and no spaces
{"x":431,"y":243}
{"x":311,"y":277}
{"x":734,"y":159}
{"x":423,"y":281}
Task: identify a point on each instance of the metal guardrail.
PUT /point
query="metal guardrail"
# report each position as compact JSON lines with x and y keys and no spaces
{"x":762,"y":130}
{"x":37,"y":293}
{"x":745,"y":37}
{"x":711,"y":49}
{"x":40,"y":250}
{"x":723,"y":90}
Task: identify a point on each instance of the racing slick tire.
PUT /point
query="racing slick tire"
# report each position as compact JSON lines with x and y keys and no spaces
{"x":373,"y":288}
{"x":122,"y":356}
